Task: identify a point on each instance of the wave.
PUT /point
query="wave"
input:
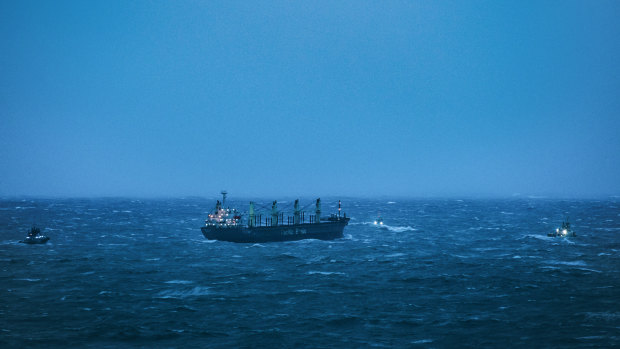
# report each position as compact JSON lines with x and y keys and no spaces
{"x":540,"y":237}
{"x":324,"y":273}
{"x":400,"y":229}
{"x":349,"y":237}
{"x":592,"y":270}
{"x":395,"y":229}
{"x":180,"y":282}
{"x":9,"y":242}
{"x":573,"y":263}
{"x":197,"y":291}
{"x":607,"y":316}
{"x":395,"y":255}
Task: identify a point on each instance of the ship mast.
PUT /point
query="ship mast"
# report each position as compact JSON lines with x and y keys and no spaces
{"x":318,"y":210}
{"x":297,"y":213}
{"x":274,"y":213}
{"x":224,"y":193}
{"x":339,"y":208}
{"x":251,"y":218}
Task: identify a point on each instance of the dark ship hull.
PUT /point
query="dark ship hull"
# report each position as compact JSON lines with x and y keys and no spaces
{"x":327,"y":230}
{"x":561,"y":235}
{"x":35,"y":241}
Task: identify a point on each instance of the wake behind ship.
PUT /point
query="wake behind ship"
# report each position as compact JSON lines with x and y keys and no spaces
{"x":227,"y":224}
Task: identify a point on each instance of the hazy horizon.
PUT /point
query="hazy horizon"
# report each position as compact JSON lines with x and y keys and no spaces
{"x":277,"y":99}
{"x":328,"y":197}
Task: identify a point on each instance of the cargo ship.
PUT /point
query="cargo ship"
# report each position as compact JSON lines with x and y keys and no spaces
{"x":226,"y":224}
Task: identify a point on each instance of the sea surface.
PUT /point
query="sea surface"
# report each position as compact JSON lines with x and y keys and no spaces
{"x":440,"y":273}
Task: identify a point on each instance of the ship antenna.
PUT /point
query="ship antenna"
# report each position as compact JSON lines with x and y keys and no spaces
{"x":224,"y":193}
{"x":339,"y":208}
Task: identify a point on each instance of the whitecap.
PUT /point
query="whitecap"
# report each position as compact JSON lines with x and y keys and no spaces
{"x":181,"y":282}
{"x":26,"y":279}
{"x":541,"y":237}
{"x":592,"y":270}
{"x":194,"y":292}
{"x":422,"y":341}
{"x":607,"y":316}
{"x":573,"y":263}
{"x":398,"y":229}
{"x":391,"y":202}
{"x":349,"y":237}
{"x":325,"y":273}
{"x":395,"y":255}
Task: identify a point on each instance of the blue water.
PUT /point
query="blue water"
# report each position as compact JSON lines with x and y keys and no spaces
{"x":442,"y":273}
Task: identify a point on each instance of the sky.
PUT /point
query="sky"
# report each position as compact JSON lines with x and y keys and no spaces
{"x":310,"y":98}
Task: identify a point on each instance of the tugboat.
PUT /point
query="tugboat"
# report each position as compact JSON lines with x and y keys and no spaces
{"x":227,"y":224}
{"x":563,"y":231}
{"x":34,"y":237}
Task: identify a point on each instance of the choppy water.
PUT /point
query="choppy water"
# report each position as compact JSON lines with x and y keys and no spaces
{"x":442,"y":273}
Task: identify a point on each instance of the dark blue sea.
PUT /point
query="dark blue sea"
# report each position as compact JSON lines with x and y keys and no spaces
{"x":441,"y":273}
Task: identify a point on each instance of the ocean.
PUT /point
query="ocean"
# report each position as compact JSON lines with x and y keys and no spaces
{"x":439,"y":273}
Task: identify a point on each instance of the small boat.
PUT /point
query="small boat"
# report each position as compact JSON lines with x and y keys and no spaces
{"x":34,"y":237}
{"x":378,"y":221}
{"x":563,"y":231}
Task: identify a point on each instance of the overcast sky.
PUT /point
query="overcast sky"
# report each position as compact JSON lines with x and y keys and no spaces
{"x":268,"y":98}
